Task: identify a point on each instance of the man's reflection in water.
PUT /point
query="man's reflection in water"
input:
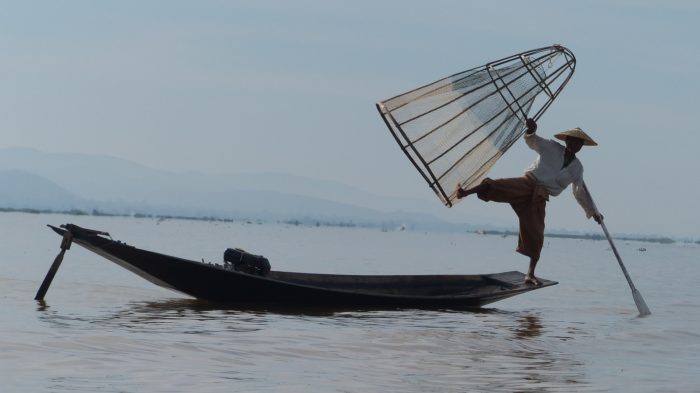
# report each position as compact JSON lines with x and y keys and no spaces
{"x":530,"y":326}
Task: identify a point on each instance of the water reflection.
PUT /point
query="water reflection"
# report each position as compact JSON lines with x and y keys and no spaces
{"x":530,"y":327}
{"x":148,"y":311}
{"x":41,"y":305}
{"x":424,"y":350}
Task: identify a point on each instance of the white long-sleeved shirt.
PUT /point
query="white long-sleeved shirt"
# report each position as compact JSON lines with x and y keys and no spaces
{"x":547,"y":170}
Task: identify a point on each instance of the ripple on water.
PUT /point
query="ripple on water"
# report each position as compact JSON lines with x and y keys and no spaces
{"x":392,"y":351}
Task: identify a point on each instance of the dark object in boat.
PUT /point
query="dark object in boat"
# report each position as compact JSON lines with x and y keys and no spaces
{"x":246,"y":262}
{"x":214,"y":282}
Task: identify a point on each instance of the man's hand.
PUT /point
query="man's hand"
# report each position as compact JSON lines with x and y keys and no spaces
{"x":598,"y":218}
{"x":531,"y":125}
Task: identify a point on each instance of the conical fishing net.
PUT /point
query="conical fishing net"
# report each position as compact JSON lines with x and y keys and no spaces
{"x":455,"y":129}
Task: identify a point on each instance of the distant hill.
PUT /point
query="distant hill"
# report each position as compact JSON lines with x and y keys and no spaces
{"x":109,"y":178}
{"x":35,"y":180}
{"x":67,"y":181}
{"x":20,"y":189}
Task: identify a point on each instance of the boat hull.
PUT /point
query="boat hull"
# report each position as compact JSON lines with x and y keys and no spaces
{"x":215,"y":282}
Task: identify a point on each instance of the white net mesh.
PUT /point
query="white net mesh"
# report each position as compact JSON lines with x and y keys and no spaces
{"x":454,"y":130}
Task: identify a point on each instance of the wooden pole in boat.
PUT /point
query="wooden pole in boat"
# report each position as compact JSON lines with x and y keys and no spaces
{"x":638,"y":299}
{"x":65,"y":245}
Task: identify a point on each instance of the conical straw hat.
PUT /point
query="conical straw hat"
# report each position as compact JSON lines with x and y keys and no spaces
{"x":576,"y":133}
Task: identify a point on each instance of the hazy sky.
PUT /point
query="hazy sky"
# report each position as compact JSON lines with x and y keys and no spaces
{"x":290,"y":86}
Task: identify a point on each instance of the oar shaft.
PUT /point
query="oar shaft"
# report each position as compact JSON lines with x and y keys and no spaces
{"x":65,"y":245}
{"x":49,"y":276}
{"x":610,"y":240}
{"x":617,"y":255}
{"x":638,"y":299}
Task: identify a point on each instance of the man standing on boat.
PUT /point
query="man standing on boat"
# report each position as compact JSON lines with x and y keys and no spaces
{"x":553,"y":171}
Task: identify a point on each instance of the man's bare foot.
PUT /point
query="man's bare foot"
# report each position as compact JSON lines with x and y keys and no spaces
{"x":532,"y":280}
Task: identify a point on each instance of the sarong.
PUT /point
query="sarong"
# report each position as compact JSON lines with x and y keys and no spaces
{"x":528,"y":200}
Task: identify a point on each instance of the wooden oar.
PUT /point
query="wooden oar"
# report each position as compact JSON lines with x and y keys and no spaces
{"x":65,"y":245}
{"x":638,"y":299}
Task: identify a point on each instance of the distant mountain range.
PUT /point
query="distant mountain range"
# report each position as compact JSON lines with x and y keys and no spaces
{"x":21,"y":189}
{"x":63,"y":181}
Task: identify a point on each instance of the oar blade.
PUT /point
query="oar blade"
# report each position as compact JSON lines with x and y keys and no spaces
{"x":641,"y":304}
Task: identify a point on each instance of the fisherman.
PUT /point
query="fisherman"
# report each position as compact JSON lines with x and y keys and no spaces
{"x":553,"y":171}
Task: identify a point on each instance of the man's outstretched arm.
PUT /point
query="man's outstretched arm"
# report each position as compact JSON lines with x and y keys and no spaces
{"x":586,"y":202}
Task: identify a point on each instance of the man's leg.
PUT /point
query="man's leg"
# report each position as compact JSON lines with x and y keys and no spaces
{"x":530,"y":276}
{"x":531,"y":214}
{"x":531,"y":236}
{"x":481,"y":188}
{"x":518,"y":192}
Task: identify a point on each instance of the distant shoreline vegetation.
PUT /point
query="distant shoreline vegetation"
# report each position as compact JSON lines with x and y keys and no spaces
{"x":310,"y":222}
{"x":325,"y":223}
{"x":589,"y":236}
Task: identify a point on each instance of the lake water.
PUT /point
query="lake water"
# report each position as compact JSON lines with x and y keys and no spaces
{"x":104,"y":329}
